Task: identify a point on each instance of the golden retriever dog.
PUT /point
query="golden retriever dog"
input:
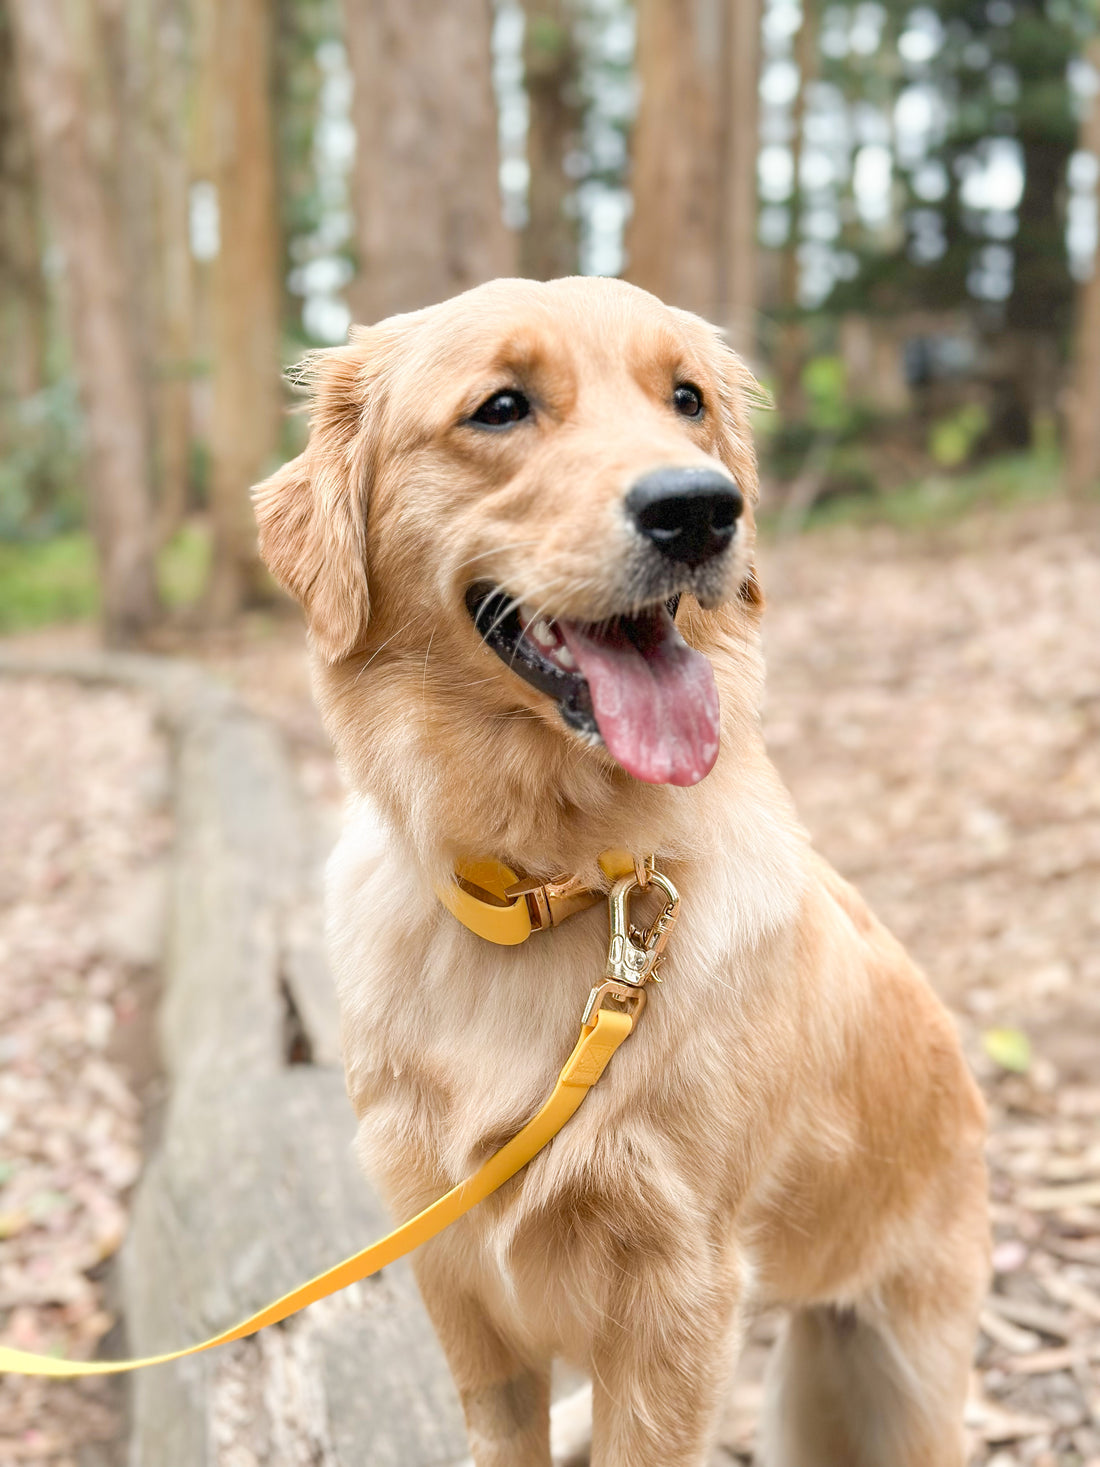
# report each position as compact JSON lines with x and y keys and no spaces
{"x":522,"y":533}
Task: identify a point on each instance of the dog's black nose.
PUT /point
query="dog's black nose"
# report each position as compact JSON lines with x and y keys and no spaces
{"x":689,"y":515}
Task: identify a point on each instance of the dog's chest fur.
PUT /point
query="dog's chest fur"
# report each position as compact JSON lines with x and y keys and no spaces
{"x":451,"y":1043}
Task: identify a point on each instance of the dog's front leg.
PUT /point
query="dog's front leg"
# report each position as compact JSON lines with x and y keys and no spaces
{"x":662,"y":1364}
{"x":505,"y":1398}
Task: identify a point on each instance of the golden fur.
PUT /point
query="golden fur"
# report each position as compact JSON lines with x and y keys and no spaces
{"x":792,"y":1121}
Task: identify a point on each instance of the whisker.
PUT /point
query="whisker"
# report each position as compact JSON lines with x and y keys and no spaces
{"x":376,"y":651}
{"x":424,"y":676}
{"x":496,"y":549}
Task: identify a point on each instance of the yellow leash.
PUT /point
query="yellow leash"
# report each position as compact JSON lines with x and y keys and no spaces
{"x":598,"y":1042}
{"x":632,"y":959}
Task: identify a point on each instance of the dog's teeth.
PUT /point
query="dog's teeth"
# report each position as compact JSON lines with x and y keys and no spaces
{"x":543,"y":635}
{"x":565,"y":658}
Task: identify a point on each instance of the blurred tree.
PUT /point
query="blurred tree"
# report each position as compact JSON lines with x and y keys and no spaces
{"x":1083,"y":405}
{"x":136,"y":56}
{"x":170,"y":98}
{"x":1037,"y":46}
{"x":238,"y":146}
{"x":551,"y":68}
{"x":692,"y":235}
{"x":23,"y":302}
{"x":426,"y":186}
{"x":993,"y":78}
{"x":791,"y":337}
{"x":672,"y":239}
{"x":105,"y":356}
{"x":739,"y":139}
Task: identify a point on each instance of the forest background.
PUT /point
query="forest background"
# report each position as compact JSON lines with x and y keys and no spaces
{"x":891,"y":208}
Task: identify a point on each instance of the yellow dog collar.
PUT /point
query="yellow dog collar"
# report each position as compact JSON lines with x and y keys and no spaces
{"x":495,"y":903}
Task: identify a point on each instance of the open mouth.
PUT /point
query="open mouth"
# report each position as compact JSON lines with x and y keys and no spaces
{"x":631,"y":682}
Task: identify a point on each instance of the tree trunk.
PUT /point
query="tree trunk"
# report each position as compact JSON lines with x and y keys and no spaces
{"x":548,"y":247}
{"x":246,"y":412}
{"x":672,"y":239}
{"x":426,"y":180}
{"x":23,"y":300}
{"x":739,"y":93}
{"x":790,"y":349}
{"x":172,"y":408}
{"x":95,"y":291}
{"x":692,"y":235}
{"x":135,"y":66}
{"x":1083,"y":407}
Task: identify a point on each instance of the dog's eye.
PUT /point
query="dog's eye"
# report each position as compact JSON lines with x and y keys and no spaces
{"x":687,"y":399}
{"x":502,"y":410}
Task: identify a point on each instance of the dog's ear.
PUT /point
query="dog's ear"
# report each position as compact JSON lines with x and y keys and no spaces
{"x":312,"y":513}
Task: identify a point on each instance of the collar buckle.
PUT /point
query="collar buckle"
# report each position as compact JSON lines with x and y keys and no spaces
{"x":551,"y":902}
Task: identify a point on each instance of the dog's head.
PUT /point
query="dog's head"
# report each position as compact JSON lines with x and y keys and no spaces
{"x":514,"y":503}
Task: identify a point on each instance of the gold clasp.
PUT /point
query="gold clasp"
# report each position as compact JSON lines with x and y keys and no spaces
{"x":632,"y":952}
{"x":624,"y":993}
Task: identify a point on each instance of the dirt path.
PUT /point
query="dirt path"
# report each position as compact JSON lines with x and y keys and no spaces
{"x":936,"y":713}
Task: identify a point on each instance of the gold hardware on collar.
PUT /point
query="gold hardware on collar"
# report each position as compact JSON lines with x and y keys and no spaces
{"x":550,"y":902}
{"x":496,"y":903}
{"x":632,"y":952}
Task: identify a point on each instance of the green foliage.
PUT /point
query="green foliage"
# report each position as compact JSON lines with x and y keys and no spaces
{"x":998,"y":78}
{"x":183,"y":567}
{"x":953,"y":439}
{"x":40,"y":463}
{"x":48,"y":581}
{"x":825,"y":383}
{"x":943,"y":499}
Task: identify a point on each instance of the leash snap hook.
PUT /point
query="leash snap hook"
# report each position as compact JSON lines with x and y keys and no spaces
{"x":632,"y":953}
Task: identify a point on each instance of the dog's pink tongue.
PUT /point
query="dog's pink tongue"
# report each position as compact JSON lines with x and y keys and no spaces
{"x":654,"y":697}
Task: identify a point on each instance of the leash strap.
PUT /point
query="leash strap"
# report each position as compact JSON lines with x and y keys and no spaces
{"x":597,"y":1043}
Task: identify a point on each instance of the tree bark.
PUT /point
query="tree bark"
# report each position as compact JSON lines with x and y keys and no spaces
{"x":790,"y":349}
{"x":246,"y":411}
{"x":692,"y":235}
{"x":135,"y":65}
{"x":172,"y":409}
{"x":672,"y":239}
{"x":426,"y":180}
{"x":1083,"y":406}
{"x":23,"y":298}
{"x":548,"y":247}
{"x":96,"y":300}
{"x":740,"y":98}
